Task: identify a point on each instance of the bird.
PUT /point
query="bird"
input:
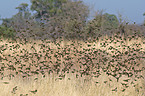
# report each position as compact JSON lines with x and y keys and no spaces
{"x":1,"y":58}
{"x":34,"y":92}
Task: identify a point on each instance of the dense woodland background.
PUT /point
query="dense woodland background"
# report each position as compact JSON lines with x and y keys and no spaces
{"x":67,"y":19}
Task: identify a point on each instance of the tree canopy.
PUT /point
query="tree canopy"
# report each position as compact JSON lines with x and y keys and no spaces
{"x":46,"y":7}
{"x":101,"y":23}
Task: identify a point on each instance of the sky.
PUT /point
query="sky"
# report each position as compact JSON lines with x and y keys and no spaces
{"x":131,"y":10}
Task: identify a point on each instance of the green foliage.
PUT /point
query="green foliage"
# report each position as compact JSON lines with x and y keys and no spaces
{"x":101,"y":23}
{"x":19,"y":20}
{"x":11,"y":25}
{"x":60,"y":17}
{"x":144,"y":14}
{"x":7,"y":22}
{"x":7,"y":32}
{"x":22,"y":7}
{"x":46,"y":7}
{"x":111,"y":21}
{"x":74,"y":18}
{"x":23,"y":11}
{"x":70,"y":22}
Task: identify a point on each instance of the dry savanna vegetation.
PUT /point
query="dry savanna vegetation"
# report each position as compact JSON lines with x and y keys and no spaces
{"x":110,"y":66}
{"x":52,"y":49}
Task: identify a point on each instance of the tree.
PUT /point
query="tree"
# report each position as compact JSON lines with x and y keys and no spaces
{"x":111,"y":21}
{"x":17,"y":22}
{"x":19,"y":19}
{"x":59,"y":18}
{"x":7,"y":32}
{"x":101,"y":23}
{"x":23,"y":11}
{"x":71,"y":21}
{"x":46,"y":8}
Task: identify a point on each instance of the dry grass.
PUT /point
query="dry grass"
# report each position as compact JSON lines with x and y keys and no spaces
{"x":75,"y":60}
{"x":51,"y":86}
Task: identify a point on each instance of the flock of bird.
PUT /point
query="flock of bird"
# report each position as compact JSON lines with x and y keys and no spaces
{"x":69,"y":59}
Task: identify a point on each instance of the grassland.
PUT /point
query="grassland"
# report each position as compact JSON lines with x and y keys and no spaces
{"x":105,"y":67}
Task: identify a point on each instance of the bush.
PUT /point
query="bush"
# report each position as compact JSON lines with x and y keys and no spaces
{"x":7,"y":32}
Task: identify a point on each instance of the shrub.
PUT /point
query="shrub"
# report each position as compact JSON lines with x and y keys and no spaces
{"x":7,"y":32}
